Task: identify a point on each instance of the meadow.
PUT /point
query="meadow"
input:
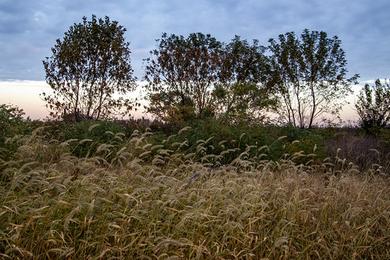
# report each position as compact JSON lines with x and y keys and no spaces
{"x":96,"y":190}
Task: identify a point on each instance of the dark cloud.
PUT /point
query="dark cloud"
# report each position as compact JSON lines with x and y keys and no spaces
{"x":29,"y":28}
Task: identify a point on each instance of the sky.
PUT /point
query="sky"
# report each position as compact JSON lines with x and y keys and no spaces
{"x":28,"y":29}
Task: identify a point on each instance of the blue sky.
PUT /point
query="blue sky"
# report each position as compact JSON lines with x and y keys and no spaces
{"x":28,"y":29}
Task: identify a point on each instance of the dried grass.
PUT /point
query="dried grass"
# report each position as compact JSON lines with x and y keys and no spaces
{"x":136,"y":200}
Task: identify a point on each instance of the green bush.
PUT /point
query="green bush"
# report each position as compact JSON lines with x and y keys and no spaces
{"x":278,"y":140}
{"x":11,"y":121}
{"x":98,"y":132}
{"x":11,"y":124}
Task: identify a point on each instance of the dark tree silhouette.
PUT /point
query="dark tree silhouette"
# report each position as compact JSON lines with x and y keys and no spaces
{"x":242,"y":94}
{"x":180,"y":74}
{"x":309,"y":74}
{"x":87,"y":68}
{"x":373,"y":105}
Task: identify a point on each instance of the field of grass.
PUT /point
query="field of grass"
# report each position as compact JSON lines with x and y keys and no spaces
{"x":146,"y":196}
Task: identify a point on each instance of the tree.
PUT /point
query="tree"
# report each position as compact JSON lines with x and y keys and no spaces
{"x":87,"y":68}
{"x":373,"y":105}
{"x":180,"y":75}
{"x":241,"y":94}
{"x":309,"y":74}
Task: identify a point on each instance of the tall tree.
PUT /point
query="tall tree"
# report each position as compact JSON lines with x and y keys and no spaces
{"x":180,"y":75}
{"x":310,"y":76}
{"x":373,"y":105}
{"x":241,"y":93}
{"x":87,"y":68}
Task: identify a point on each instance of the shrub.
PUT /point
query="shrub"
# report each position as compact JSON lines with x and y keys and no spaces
{"x":11,"y":124}
{"x":11,"y":121}
{"x":373,"y":106}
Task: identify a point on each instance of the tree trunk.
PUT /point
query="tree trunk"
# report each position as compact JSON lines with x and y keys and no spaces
{"x":314,"y":105}
{"x":99,"y":110}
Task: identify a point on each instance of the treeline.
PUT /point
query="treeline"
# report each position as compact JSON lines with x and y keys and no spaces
{"x":300,"y":80}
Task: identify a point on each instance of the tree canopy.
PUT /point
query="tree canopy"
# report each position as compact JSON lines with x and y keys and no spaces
{"x":198,"y":76}
{"x":242,"y":92}
{"x":373,"y":105}
{"x":303,"y":78}
{"x":180,"y":74}
{"x":310,"y":76}
{"x":87,"y":68}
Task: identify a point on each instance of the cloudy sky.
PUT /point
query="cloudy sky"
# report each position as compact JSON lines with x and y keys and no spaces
{"x":28,"y":29}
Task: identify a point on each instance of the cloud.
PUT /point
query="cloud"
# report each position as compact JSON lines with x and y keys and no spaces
{"x":28,"y":29}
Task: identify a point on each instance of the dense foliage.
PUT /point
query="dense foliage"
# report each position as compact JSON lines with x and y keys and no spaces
{"x":373,"y":105}
{"x":12,"y":124}
{"x":181,"y":74}
{"x":353,"y":144}
{"x":88,"y":67}
{"x":242,"y":93}
{"x":11,"y":119}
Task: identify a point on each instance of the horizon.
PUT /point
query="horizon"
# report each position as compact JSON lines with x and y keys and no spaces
{"x":34,"y":107}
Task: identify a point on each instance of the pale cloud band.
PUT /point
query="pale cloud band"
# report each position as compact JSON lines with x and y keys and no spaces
{"x":25,"y":94}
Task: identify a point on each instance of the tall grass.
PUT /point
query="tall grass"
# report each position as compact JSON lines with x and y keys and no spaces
{"x":131,"y":198}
